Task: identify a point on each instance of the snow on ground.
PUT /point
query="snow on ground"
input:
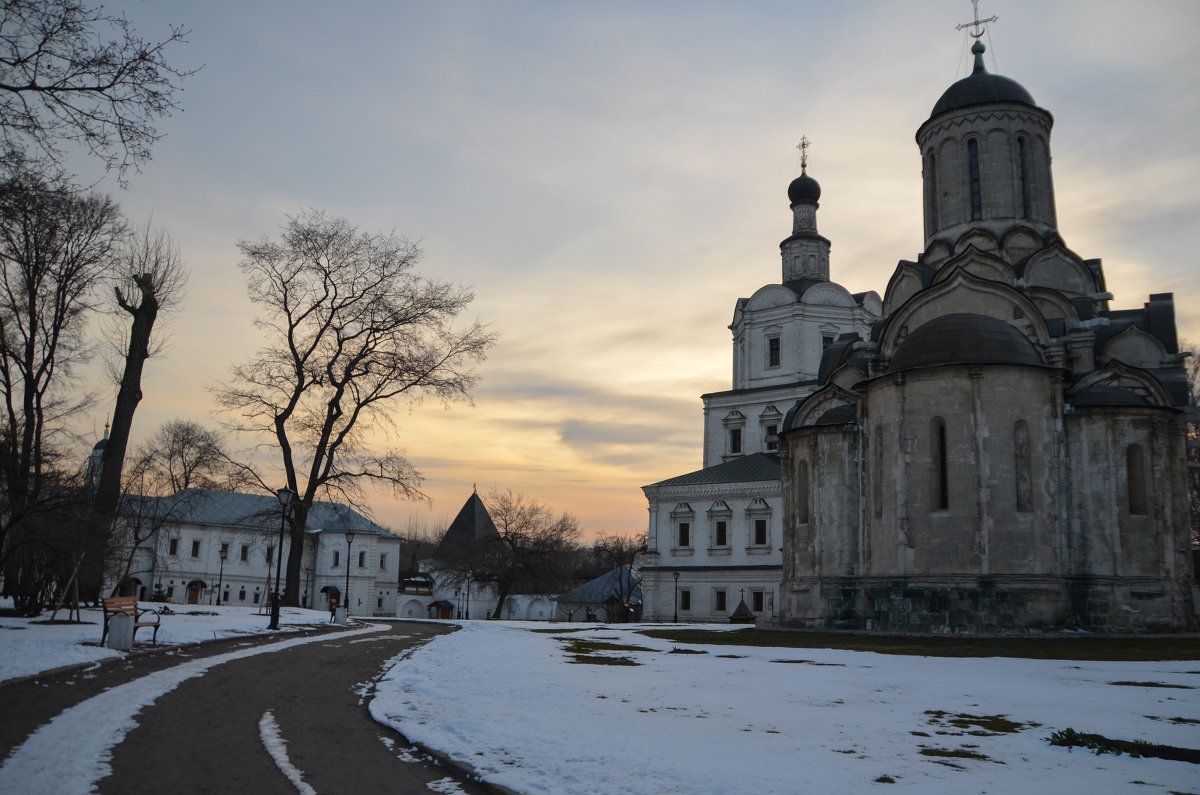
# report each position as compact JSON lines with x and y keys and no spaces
{"x":510,"y":703}
{"x":28,"y":648}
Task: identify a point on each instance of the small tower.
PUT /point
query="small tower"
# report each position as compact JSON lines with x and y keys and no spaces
{"x":805,"y":254}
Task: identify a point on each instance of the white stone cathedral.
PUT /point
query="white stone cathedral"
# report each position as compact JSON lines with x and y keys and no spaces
{"x":1003,"y":451}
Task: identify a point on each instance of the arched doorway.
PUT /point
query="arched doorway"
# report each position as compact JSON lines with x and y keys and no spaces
{"x":194,"y":589}
{"x":333,"y":597}
{"x":132,"y":586}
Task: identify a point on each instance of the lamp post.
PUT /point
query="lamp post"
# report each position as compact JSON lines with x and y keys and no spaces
{"x":676,"y":618}
{"x":284,"y":496}
{"x":349,"y":541}
{"x":224,"y":553}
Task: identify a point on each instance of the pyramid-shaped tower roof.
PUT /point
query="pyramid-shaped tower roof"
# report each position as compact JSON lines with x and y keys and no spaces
{"x":472,"y":528}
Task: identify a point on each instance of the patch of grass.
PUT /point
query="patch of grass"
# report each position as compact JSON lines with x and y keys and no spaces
{"x":582,"y":646}
{"x":955,"y":753}
{"x":976,"y":725}
{"x":885,"y":780}
{"x":1151,"y":684}
{"x":593,"y":659}
{"x":811,"y":662}
{"x":1034,"y":647}
{"x":1186,"y":721}
{"x":678,"y":650}
{"x":1069,"y":738}
{"x":920,"y":734}
{"x":732,"y":656}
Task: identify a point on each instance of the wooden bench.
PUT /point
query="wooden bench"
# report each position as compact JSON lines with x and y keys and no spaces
{"x":128,"y":606}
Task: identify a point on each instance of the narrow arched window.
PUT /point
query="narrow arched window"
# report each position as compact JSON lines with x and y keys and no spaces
{"x":1023,"y":481}
{"x":940,"y":479}
{"x":973,"y":173}
{"x":932,"y":182}
{"x":802,"y":492}
{"x":1135,"y":474}
{"x":1023,"y":164}
{"x":877,"y":472}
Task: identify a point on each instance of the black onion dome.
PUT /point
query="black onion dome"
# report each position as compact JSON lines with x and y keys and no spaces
{"x":981,"y":88}
{"x":965,"y":339}
{"x":804,"y":190}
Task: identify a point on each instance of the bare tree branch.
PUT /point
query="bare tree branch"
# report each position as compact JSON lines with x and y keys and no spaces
{"x":351,"y":331}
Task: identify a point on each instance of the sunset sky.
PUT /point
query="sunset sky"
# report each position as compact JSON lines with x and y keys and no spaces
{"x":610,"y":177}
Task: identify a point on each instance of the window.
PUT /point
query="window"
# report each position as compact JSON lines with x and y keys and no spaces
{"x":760,"y":532}
{"x":362,"y":560}
{"x":255,"y":597}
{"x":224,"y":552}
{"x":195,"y":549}
{"x":1135,"y":472}
{"x":173,"y":547}
{"x":735,"y":441}
{"x":379,"y":602}
{"x":721,"y":534}
{"x":756,"y":598}
{"x":827,"y":340}
{"x":337,"y":558}
{"x":242,"y":594}
{"x":383,"y":562}
{"x":941,"y":475}
{"x":685,"y":534}
{"x":1023,"y":165}
{"x":773,"y":356}
{"x":685,"y":599}
{"x":802,"y":492}
{"x":973,"y":173}
{"x":877,"y":475}
{"x":933,"y":197}
{"x":270,"y":555}
{"x":245,"y":552}
{"x":170,"y":591}
{"x":772,"y":438}
{"x":1023,"y":479}
{"x":719,"y":602}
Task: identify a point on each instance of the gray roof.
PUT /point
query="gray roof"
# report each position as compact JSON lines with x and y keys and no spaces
{"x":472,"y":526}
{"x":603,"y":588}
{"x":963,"y":338}
{"x":260,"y":512}
{"x":981,"y":88}
{"x":744,"y":469}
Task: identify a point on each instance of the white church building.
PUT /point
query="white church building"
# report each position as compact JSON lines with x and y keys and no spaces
{"x":715,"y":535}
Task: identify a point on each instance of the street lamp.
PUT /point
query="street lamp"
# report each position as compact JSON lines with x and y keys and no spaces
{"x":224,"y":553}
{"x":349,"y":541}
{"x":676,"y":618}
{"x":468,"y":613}
{"x":285,"y":496}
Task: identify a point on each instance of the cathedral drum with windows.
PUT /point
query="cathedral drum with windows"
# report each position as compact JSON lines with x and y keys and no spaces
{"x":1003,"y":451}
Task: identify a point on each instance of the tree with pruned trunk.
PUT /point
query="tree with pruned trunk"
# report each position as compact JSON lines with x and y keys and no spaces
{"x":351,"y":333}
{"x":73,"y":74}
{"x":150,"y":280}
{"x":1192,"y":369}
{"x":55,"y":248}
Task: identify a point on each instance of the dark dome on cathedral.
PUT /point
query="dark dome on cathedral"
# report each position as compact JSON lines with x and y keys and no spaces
{"x":100,"y":445}
{"x":804,"y":190}
{"x":965,"y":339}
{"x":981,"y":88}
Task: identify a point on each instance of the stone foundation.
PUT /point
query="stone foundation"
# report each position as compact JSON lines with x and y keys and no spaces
{"x":986,"y":605}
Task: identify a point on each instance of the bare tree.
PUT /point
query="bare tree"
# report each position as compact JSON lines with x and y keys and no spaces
{"x":621,"y":552}
{"x":55,"y":247}
{"x":183,"y":455}
{"x":151,"y":279}
{"x":71,"y":74}
{"x":538,"y":546}
{"x":351,"y":331}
